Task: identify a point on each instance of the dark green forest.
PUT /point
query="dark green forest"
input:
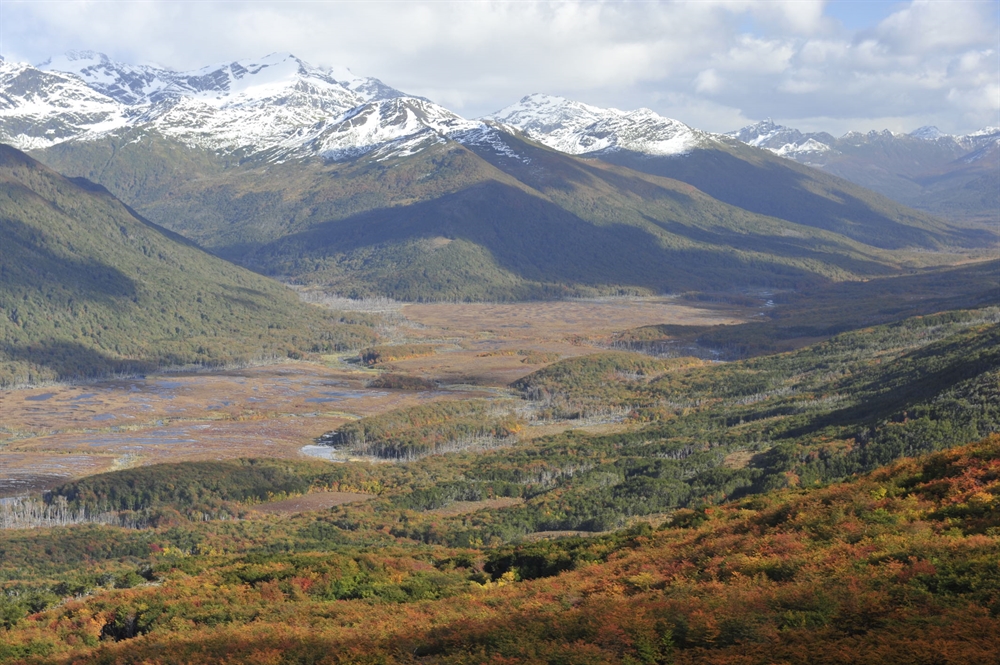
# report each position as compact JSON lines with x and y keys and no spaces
{"x":457,"y":223}
{"x":88,"y":289}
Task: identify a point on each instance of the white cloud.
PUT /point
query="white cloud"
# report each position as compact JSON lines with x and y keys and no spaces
{"x":723,"y":59}
{"x":708,"y":81}
{"x":925,"y":25}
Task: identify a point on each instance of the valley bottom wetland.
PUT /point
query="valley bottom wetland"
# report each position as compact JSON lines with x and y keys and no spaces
{"x":499,"y":483}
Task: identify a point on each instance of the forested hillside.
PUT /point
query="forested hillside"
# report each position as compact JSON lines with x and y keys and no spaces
{"x":457,"y":221}
{"x":747,"y":177}
{"x":89,"y":288}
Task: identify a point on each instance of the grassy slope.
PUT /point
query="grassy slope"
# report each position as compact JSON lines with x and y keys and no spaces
{"x":89,"y":288}
{"x":453,"y":223}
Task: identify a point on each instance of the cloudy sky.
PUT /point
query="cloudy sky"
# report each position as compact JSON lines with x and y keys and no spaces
{"x":714,"y":64}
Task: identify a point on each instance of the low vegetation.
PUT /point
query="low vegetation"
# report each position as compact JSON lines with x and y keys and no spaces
{"x":376,"y":355}
{"x":806,"y":315}
{"x":423,"y":430}
{"x":391,"y":381}
{"x":912,"y":548}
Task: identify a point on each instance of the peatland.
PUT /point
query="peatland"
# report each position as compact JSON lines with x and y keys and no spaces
{"x":833,"y":503}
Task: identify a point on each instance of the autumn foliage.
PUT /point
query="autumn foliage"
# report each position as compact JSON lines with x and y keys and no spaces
{"x":899,"y":566}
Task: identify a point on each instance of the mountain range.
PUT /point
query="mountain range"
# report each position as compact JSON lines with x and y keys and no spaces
{"x":278,"y":106}
{"x":320,"y":176}
{"x":954,"y":176}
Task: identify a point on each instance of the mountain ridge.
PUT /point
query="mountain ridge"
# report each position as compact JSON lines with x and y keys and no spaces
{"x":89,"y":288}
{"x":926,"y":169}
{"x":263,"y":163}
{"x":299,"y":95}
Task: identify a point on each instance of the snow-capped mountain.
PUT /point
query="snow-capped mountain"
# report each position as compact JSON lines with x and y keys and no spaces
{"x":39,"y":109}
{"x":783,"y":141}
{"x":399,"y":126}
{"x":789,"y":142}
{"x":577,"y":128}
{"x":928,"y":133}
{"x":278,"y":105}
{"x":985,"y":138}
{"x":924,"y":169}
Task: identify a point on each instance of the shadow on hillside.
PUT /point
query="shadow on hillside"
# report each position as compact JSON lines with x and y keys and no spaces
{"x":805,"y":199}
{"x":912,"y":379}
{"x":548,"y":171}
{"x":817,"y":249}
{"x":30,"y":265}
{"x":537,"y":240}
{"x":72,"y":361}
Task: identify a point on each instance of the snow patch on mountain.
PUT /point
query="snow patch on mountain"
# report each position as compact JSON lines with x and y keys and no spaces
{"x":130,"y":85}
{"x":767,"y":134}
{"x":789,"y":142}
{"x":378,"y":124}
{"x":809,"y":146}
{"x":577,"y":128}
{"x":984,"y":138}
{"x":278,"y":106}
{"x":399,"y":127}
{"x":492,"y":138}
{"x":39,"y":109}
{"x":251,"y":106}
{"x":928,"y":133}
{"x":990,"y":148}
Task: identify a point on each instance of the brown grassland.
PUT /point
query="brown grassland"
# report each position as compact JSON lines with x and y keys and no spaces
{"x":51,"y":434}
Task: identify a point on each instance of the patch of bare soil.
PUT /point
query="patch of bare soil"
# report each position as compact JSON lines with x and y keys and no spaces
{"x":551,"y":535}
{"x":309,"y":502}
{"x":737,"y":460}
{"x":466,"y":507}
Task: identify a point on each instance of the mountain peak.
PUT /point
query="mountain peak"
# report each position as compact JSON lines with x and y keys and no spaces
{"x":768,"y":134}
{"x":578,"y":128}
{"x":78,"y":59}
{"x":253,"y":104}
{"x":928,"y":133}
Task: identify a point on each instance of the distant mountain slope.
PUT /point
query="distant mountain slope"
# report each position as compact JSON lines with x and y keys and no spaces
{"x":967,"y":188}
{"x":39,"y":109}
{"x":501,"y":218}
{"x":727,"y":169}
{"x":89,"y":288}
{"x":577,"y":128}
{"x":925,"y":169}
{"x":324,"y":177}
{"x":248,"y":106}
{"x":763,"y":183}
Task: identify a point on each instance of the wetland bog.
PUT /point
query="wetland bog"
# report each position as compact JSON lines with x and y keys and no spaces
{"x":57,"y":432}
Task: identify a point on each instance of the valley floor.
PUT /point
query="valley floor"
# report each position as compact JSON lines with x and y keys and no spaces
{"x":51,"y":434}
